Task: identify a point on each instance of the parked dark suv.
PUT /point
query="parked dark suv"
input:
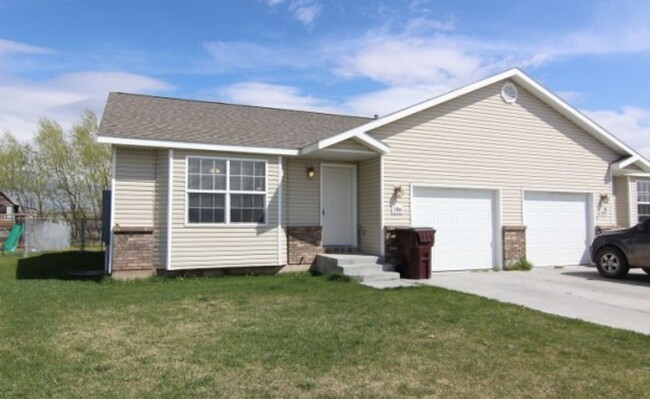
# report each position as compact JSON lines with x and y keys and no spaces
{"x":614,"y":252}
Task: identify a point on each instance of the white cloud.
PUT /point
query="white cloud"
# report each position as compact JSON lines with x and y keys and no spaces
{"x":631,"y":125}
{"x":64,"y":97}
{"x":12,"y":47}
{"x":271,"y":95}
{"x":304,"y":11}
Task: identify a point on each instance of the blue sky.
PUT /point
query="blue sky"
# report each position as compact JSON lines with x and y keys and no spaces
{"x":357,"y":57}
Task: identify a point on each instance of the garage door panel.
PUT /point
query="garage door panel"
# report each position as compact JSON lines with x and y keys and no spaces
{"x":464,"y":223}
{"x":556,"y":228}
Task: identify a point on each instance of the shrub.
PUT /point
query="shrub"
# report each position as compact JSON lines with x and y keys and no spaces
{"x":521,"y":264}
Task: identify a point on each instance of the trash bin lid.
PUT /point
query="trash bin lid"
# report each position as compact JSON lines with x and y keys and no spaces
{"x":425,"y":235}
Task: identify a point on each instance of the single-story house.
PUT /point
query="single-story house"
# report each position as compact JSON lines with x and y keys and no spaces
{"x":502,"y":169}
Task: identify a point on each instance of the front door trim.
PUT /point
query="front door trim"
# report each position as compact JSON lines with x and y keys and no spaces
{"x":352,"y":167}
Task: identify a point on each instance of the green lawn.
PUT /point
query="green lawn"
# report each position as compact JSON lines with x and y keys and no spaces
{"x":291,"y":335}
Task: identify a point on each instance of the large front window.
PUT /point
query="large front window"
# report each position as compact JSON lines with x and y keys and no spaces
{"x":226,"y":191}
{"x":643,"y":199}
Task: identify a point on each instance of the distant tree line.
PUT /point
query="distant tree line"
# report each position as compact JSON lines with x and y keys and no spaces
{"x":59,"y":173}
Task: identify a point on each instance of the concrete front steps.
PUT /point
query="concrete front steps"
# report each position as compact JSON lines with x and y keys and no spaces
{"x":366,"y":269}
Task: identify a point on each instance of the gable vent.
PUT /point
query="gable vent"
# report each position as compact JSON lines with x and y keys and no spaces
{"x":509,"y":93}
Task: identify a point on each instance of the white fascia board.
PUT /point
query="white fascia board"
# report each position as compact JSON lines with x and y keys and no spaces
{"x":627,"y":162}
{"x":365,"y":138}
{"x":194,"y":146}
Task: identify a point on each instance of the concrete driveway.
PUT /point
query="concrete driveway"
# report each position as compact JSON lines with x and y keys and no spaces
{"x":577,"y":292}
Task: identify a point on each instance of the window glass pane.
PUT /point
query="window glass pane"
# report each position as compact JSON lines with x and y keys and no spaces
{"x":247,"y":168}
{"x":194,"y":182}
{"x":235,"y":167}
{"x":207,"y":201}
{"x":258,"y":201}
{"x":194,"y":201}
{"x":206,"y":182}
{"x":248,"y":183}
{"x":206,"y":208}
{"x":194,"y":165}
{"x":206,"y":165}
{"x":644,"y":210}
{"x":220,"y":182}
{"x":193,"y":215}
{"x":258,"y":215}
{"x":235,"y":183}
{"x":259,"y":184}
{"x":260,"y":169}
{"x":247,"y":208}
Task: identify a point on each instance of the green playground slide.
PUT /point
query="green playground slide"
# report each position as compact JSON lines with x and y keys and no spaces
{"x":14,"y":236}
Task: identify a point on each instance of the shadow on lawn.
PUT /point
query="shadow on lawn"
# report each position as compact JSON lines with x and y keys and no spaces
{"x":71,"y":265}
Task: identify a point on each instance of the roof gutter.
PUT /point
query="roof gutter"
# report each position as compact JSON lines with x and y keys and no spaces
{"x":194,"y":146}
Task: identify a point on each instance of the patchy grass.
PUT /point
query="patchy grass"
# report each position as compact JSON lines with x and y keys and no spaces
{"x":292,"y":336}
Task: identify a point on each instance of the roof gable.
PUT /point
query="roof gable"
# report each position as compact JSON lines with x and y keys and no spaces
{"x":532,"y":87}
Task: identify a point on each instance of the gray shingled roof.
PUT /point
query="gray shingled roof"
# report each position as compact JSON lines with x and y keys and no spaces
{"x":137,"y":116}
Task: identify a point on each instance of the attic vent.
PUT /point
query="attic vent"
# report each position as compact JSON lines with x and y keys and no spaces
{"x":509,"y":93}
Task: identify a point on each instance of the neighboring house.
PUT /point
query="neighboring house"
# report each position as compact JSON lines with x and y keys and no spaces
{"x":502,"y":169}
{"x":8,"y":210}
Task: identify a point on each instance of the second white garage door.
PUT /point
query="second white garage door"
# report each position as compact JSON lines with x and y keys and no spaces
{"x":465,"y":226}
{"x":557,"y":226}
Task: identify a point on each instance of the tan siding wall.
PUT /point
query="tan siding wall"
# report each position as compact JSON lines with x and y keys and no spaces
{"x":478,"y":140}
{"x":223,"y":246}
{"x":134,"y":187}
{"x":621,"y":201}
{"x":160,"y":209}
{"x":369,"y":182}
{"x":303,"y":194}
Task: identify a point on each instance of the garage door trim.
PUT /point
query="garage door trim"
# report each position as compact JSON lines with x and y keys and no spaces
{"x":591,"y":209}
{"x":498,"y":213}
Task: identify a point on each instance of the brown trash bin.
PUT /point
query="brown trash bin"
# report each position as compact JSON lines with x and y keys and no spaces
{"x":414,"y":247}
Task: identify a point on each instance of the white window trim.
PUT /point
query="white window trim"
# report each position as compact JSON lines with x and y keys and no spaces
{"x":227,"y":193}
{"x":638,"y":203}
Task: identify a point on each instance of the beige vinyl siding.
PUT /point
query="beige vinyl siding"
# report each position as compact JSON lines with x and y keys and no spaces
{"x":303,"y":194}
{"x":222,"y":246}
{"x":349,"y":145}
{"x":134,"y":186}
{"x":634,"y":206}
{"x":369,"y":187}
{"x":160,"y":209}
{"x":477,"y":140}
{"x":621,"y":201}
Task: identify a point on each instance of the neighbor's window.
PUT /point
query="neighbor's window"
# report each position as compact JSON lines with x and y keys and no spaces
{"x":643,"y":199}
{"x":226,"y":191}
{"x":3,"y":209}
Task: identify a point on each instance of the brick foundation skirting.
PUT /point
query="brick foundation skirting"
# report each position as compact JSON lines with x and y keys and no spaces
{"x":514,"y":243}
{"x":303,"y":244}
{"x":390,"y":245}
{"x":132,"y":250}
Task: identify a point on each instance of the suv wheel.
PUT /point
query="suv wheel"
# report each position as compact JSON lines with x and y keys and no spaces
{"x":611,"y":263}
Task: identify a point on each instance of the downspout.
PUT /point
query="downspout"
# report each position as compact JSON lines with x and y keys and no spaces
{"x":279,"y":229}
{"x":170,"y":192}
{"x":112,"y":218}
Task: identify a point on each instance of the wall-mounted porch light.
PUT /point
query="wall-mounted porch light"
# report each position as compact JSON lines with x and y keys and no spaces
{"x":311,"y":172}
{"x":399,"y":192}
{"x":604,"y":198}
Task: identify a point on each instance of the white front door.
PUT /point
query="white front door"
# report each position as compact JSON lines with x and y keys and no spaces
{"x":557,"y":226}
{"x":338,"y":216}
{"x":464,"y":220}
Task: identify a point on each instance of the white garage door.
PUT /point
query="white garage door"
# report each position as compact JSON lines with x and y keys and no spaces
{"x":464,"y":222}
{"x":556,"y":228}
